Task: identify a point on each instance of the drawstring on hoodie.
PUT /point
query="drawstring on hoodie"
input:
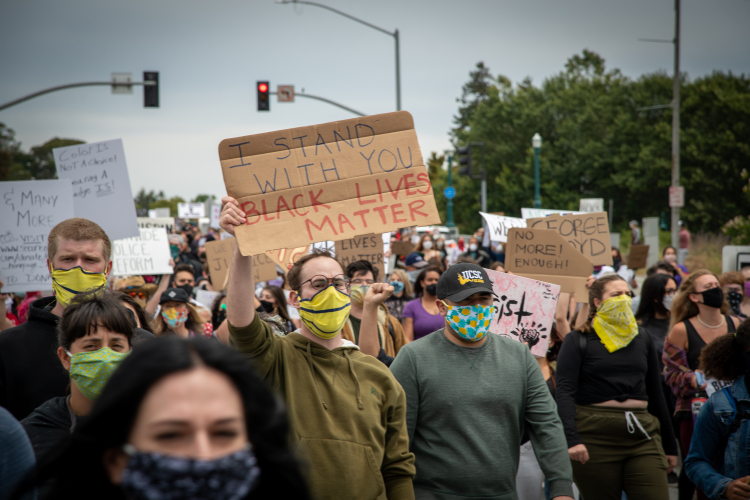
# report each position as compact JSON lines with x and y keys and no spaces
{"x":315,"y":380}
{"x":356,"y":381}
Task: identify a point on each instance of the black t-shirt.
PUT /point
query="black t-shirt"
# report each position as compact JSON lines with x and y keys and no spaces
{"x":628,"y":373}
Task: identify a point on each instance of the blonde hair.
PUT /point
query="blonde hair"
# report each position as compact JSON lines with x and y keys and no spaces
{"x":684,"y":308}
{"x":194,"y":322}
{"x":78,"y":229}
{"x":408,"y":291}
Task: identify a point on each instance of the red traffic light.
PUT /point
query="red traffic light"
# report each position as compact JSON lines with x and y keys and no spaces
{"x":263,"y":87}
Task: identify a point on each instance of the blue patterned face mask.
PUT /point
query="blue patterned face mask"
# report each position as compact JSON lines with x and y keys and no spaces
{"x":153,"y":476}
{"x":470,"y":322}
{"x":398,"y":286}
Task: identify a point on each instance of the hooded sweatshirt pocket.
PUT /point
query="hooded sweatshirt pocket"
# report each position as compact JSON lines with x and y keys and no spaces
{"x":341,"y":469}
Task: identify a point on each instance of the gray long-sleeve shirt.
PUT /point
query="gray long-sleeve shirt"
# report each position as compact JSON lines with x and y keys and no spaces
{"x":467,"y":408}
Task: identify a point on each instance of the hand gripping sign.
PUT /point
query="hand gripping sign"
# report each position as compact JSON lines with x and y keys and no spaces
{"x":328,"y":182}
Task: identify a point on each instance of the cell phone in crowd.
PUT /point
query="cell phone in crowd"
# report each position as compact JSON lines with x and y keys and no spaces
{"x":700,"y":378}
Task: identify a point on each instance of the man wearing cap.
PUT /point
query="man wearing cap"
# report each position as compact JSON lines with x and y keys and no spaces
{"x":414,"y":264}
{"x":470,"y":395}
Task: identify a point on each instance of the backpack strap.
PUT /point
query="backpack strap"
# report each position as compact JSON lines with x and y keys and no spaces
{"x":583,"y":340}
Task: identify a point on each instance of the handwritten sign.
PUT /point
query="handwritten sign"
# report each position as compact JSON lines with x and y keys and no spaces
{"x":328,"y":182}
{"x":219,"y":257}
{"x":532,"y":213}
{"x":165,"y":222}
{"x":30,"y":210}
{"x":544,"y":255}
{"x":101,"y":185}
{"x":206,"y":297}
{"x":497,"y":226}
{"x":524,"y":309}
{"x":402,"y":247}
{"x":191,"y":210}
{"x":145,"y":254}
{"x":589,"y":233}
{"x":286,"y":257}
{"x":368,"y":247}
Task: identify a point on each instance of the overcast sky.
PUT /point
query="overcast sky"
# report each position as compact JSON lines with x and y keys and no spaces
{"x":210,"y":54}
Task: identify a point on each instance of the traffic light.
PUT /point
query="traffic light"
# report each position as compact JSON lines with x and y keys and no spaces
{"x":464,"y":158}
{"x":151,"y":92}
{"x":264,"y":103}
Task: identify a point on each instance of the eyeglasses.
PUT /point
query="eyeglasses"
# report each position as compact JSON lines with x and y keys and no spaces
{"x":320,"y":282}
{"x":360,"y":281}
{"x":139,"y":295}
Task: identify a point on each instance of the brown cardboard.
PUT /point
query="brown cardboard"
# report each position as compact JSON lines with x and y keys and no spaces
{"x":545,"y":255}
{"x":368,"y":247}
{"x":589,"y":233}
{"x":638,"y":256}
{"x":402,"y":247}
{"x":328,"y":182}
{"x":286,"y":257}
{"x":219,"y":258}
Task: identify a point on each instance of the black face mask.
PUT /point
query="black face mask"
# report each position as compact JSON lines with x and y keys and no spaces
{"x":266,"y":306}
{"x":735,"y":299}
{"x":713,"y":297}
{"x":431,"y":289}
{"x":220,"y":317}
{"x":187,"y":288}
{"x":616,"y":263}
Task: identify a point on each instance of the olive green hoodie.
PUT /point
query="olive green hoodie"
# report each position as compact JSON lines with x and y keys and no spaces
{"x":347,"y":413}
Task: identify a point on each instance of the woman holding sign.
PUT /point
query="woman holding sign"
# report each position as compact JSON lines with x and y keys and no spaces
{"x":610,"y":401}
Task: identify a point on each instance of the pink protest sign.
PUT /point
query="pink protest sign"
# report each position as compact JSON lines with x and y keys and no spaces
{"x":524,"y":309}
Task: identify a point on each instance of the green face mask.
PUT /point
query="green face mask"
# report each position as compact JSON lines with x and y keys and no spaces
{"x":91,"y":370}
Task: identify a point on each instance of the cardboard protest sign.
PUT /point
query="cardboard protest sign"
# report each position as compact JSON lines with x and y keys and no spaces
{"x":165,"y":222}
{"x":101,"y":185}
{"x":589,"y":233}
{"x":219,"y":258}
{"x":328,"y":182}
{"x":146,"y":254}
{"x":191,"y":210}
{"x":368,"y":247}
{"x":532,"y":213}
{"x":286,"y":257}
{"x":497,"y":226}
{"x":402,"y":247}
{"x":30,"y":210}
{"x":544,"y":255}
{"x":638,"y":256}
{"x":524,"y":309}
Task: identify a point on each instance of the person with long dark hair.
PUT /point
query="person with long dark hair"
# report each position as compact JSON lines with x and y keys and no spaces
{"x":274,"y":296}
{"x":421,"y":316}
{"x":717,"y":462}
{"x":657,"y":294}
{"x":610,"y":401}
{"x":180,"y":419}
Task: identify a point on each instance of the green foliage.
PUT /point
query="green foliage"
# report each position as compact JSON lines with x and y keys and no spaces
{"x":598,"y":145}
{"x":202,"y":198}
{"x":39,"y":163}
{"x":145,"y":199}
{"x":738,"y":229}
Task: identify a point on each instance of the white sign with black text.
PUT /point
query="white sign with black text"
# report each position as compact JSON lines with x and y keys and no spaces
{"x":145,"y":254}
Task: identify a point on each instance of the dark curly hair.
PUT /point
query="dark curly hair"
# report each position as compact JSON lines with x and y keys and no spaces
{"x":722,"y":358}
{"x":418,"y":288}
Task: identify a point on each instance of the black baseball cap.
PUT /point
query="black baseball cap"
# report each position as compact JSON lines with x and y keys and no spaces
{"x":174,"y":294}
{"x":461,"y":281}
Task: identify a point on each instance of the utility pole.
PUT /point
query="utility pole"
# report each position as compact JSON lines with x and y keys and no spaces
{"x":676,"y":123}
{"x":449,"y":203}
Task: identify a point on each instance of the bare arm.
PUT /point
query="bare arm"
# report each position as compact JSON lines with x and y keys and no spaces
{"x":369,"y":342}
{"x":241,"y":286}
{"x":561,"y":315}
{"x":222,"y":333}
{"x":408,"y":329}
{"x":153,"y":302}
{"x":5,"y":323}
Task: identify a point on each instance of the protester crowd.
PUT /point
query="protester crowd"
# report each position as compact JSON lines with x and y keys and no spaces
{"x":336,"y":382}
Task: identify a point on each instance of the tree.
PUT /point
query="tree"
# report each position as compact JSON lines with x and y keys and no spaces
{"x":144,"y":200}
{"x":202,"y":198}
{"x":40,"y":161}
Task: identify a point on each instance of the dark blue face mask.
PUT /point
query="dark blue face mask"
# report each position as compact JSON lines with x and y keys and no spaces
{"x":153,"y":476}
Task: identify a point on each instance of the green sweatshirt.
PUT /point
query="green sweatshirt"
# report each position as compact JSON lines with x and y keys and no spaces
{"x":347,"y":413}
{"x":466,"y":412}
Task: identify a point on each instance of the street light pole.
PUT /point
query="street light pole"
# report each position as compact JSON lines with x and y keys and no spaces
{"x":395,"y":36}
{"x":536,"y":142}
{"x":449,"y":204}
{"x":676,"y":123}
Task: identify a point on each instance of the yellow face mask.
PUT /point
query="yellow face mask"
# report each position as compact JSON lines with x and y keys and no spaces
{"x":67,"y":283}
{"x":614,"y":323}
{"x":326,"y":312}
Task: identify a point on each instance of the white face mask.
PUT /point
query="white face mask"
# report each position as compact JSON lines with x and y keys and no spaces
{"x":667,"y":301}
{"x":473,"y":247}
{"x":415,"y":239}
{"x":670,"y":258}
{"x":440,"y":244}
{"x":427,"y":244}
